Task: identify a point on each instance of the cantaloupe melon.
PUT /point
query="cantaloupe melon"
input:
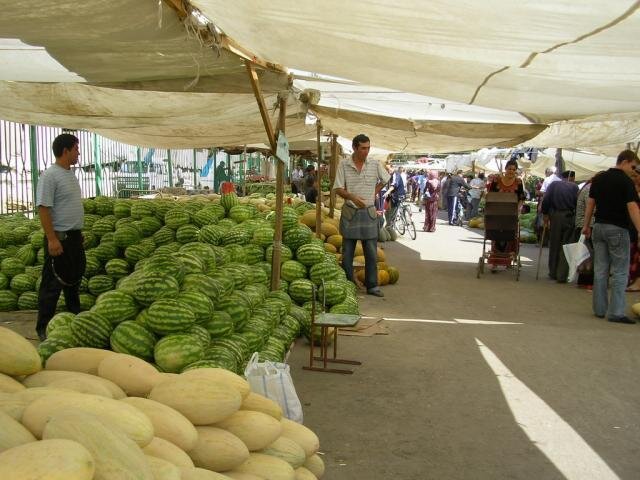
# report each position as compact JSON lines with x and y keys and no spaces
{"x":163,"y":470}
{"x":167,"y":422}
{"x":82,"y":385}
{"x":12,"y":433}
{"x":18,"y":356}
{"x":47,"y":460}
{"x":9,"y":384}
{"x":380,"y":255}
{"x":202,"y":401}
{"x":242,"y":476}
{"x":383,"y":277}
{"x":302,"y":435}
{"x":115,"y":454}
{"x":45,"y":377}
{"x":328,"y":229}
{"x":166,"y":450}
{"x":258,"y":403}
{"x":304,"y":474}
{"x":635,"y":308}
{"x":288,"y":450}
{"x":223,"y":376}
{"x":219,"y":450}
{"x":256,"y":429}
{"x":79,"y":359}
{"x":195,"y":473}
{"x":330,"y":248}
{"x":335,"y":240}
{"x":114,"y":413}
{"x":269,"y":467}
{"x":315,"y":465}
{"x":132,"y":374}
{"x":394,"y":275}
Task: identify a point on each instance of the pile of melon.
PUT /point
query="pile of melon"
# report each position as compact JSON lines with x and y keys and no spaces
{"x":96,"y":414}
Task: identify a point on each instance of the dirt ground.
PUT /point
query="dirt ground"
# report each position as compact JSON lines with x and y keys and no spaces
{"x":427,"y":404}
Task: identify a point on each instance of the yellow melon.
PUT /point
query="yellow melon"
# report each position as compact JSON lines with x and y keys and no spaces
{"x":359,"y":260}
{"x":383,"y":266}
{"x":383,"y":277}
{"x":330,"y":248}
{"x":360,"y":275}
{"x":328,"y":229}
{"x":309,"y":219}
{"x":380,"y":254}
{"x":394,"y":275}
{"x":335,"y":240}
{"x":359,"y":250}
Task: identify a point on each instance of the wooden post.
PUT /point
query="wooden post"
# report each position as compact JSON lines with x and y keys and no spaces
{"x":333,"y":166}
{"x":319,"y":182}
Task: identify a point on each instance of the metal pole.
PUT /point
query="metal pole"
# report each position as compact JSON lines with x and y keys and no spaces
{"x":139,"y":159}
{"x":170,"y":167}
{"x":35,"y":171}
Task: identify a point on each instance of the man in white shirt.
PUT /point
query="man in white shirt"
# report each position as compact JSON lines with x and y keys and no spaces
{"x":551,"y":177}
{"x":478,"y":186}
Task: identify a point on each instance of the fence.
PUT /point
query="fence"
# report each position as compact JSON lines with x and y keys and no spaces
{"x":106,"y":167}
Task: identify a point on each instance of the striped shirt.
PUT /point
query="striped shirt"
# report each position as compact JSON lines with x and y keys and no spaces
{"x":58,"y":189}
{"x":362,"y":183}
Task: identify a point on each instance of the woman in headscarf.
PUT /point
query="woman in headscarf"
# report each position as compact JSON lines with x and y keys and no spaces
{"x":430,"y":198}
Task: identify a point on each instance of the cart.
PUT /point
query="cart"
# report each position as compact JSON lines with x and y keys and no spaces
{"x":501,"y":225}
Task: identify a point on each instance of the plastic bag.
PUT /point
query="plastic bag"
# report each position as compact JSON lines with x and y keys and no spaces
{"x":273,"y":380}
{"x":576,"y":254}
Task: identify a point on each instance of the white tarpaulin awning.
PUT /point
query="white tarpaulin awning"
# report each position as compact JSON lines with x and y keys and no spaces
{"x":549,"y":59}
{"x":585,"y":165}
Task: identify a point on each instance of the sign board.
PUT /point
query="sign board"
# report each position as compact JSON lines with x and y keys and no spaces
{"x":282,"y":150}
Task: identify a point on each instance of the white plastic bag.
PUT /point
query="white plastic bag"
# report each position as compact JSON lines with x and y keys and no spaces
{"x":273,"y":380}
{"x":575,"y":253}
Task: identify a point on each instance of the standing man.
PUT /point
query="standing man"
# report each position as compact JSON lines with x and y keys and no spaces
{"x":613,"y":196}
{"x":394,"y":194}
{"x":559,"y":208}
{"x":477,"y":186}
{"x":455,"y":183}
{"x":219,"y":177}
{"x":358,"y":181}
{"x":62,"y":217}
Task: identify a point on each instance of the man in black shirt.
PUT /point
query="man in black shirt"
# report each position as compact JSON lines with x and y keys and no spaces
{"x":455,"y":183}
{"x":614,"y":197}
{"x":559,"y":208}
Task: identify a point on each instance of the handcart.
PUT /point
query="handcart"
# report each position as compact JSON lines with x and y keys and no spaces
{"x":501,"y":225}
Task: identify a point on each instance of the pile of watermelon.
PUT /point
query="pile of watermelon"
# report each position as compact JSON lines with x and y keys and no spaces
{"x":183,"y":284}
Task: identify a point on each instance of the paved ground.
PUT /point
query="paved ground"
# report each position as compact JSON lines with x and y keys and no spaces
{"x":559,"y":398}
{"x":553,"y":396}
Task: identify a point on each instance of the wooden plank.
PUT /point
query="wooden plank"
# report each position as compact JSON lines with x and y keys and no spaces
{"x":333,"y":166}
{"x":277,"y":236}
{"x":319,"y":182}
{"x":264,"y":113}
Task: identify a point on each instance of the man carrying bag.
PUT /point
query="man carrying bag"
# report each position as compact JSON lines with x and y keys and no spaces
{"x":358,"y":181}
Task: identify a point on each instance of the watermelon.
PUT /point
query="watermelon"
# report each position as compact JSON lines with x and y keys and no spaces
{"x":301,"y":290}
{"x":117,"y":268}
{"x":26,"y":254}
{"x":131,"y":337}
{"x":310,"y":254}
{"x":86,"y":301}
{"x":126,"y":235}
{"x":61,"y":319}
{"x":135,"y":253}
{"x":237,"y":253}
{"x":325,"y":271}
{"x":166,"y":316}
{"x":51,"y":346}
{"x":190,"y":263}
{"x":22,"y":282}
{"x":105,"y":251}
{"x":332,"y":292}
{"x":238,"y":312}
{"x":187,"y":233}
{"x":11,"y":266}
{"x":202,"y":333}
{"x":93,"y":265}
{"x":236,"y":235}
{"x":28,"y":301}
{"x":228,"y":201}
{"x":89,"y":205}
{"x":285,"y":254}
{"x":205,"y":216}
{"x":142,"y":208}
{"x":116,"y":306}
{"x":297,"y":236}
{"x":104,"y":205}
{"x":153,"y":285}
{"x":164,"y":235}
{"x":199,"y":282}
{"x":89,"y":241}
{"x":174,"y":352}
{"x":199,"y":303}
{"x":292,"y":270}
{"x":101,"y":227}
{"x":212,"y":234}
{"x":100,"y":284}
{"x":263,"y":236}
{"x":122,"y":208}
{"x":91,"y":330}
{"x":289,"y":218}
{"x":253,"y":254}
{"x":8,"y":301}
{"x":176,"y":217}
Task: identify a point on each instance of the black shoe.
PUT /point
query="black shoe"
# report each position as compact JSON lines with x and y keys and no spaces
{"x":376,"y":292}
{"x":624,"y":319}
{"x":599,"y":316}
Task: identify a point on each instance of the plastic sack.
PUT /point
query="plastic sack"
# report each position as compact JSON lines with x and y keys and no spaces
{"x":273,"y":380}
{"x":576,"y":254}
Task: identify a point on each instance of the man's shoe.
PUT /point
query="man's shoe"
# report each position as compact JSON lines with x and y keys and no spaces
{"x":599,"y":316}
{"x":624,"y":319}
{"x":376,"y":292}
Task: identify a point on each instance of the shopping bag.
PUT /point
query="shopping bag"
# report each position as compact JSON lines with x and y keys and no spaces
{"x":576,"y":254}
{"x":273,"y":380}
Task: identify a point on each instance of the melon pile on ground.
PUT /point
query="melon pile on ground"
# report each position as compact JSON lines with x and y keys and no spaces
{"x":96,"y":414}
{"x":184,"y":284}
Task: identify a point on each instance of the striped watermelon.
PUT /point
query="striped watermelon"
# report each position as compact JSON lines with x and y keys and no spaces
{"x":263,"y":236}
{"x":297,"y":236}
{"x":28,"y":301}
{"x":164,"y":235}
{"x":11,"y":266}
{"x":190,"y":263}
{"x":89,"y":205}
{"x":199,"y":282}
{"x":104,"y":205}
{"x":86,"y":301}
{"x":141,"y":209}
{"x":239,"y":213}
{"x":238,"y":311}
{"x":165,"y":264}
{"x":212,"y":234}
{"x":59,"y":320}
{"x":93,"y":265}
{"x":116,"y":306}
{"x":51,"y":346}
{"x":153,"y":285}
{"x":26,"y":254}
{"x":310,"y":254}
{"x":166,"y":316}
{"x":202,"y":333}
{"x":205,"y":216}
{"x":199,"y":303}
{"x":174,"y":352}
{"x":91,"y":330}
{"x":285,"y":254}
{"x":201,"y":250}
{"x":135,"y":253}
{"x":289,"y":218}
{"x":105,"y":251}
{"x":122,"y":208}
{"x":227,"y":223}
{"x":89,"y":241}
{"x":236,"y":235}
{"x":133,"y":338}
{"x":325,"y":271}
{"x":100,"y":284}
{"x":253,"y":254}
{"x":229,"y":200}
{"x":8,"y":301}
{"x":301,"y":290}
{"x":293,"y":270}
{"x":162,"y":206}
{"x":176,"y":217}
{"x":237,"y":253}
{"x":258,"y":276}
{"x":126,"y":235}
{"x":107,"y":237}
{"x":187,"y":233}
{"x":101,"y":227}
{"x":345,"y":307}
{"x":220,"y":324}
{"x":117,"y":268}
{"x":22,"y":282}
{"x":332,"y":292}
{"x":36,"y":239}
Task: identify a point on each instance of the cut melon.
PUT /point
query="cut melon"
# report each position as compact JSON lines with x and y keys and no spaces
{"x":163,"y":470}
{"x":79,"y":359}
{"x":12,"y":433}
{"x":45,"y":377}
{"x":9,"y":384}
{"x":218,"y":450}
{"x":114,"y":413}
{"x":19,"y":356}
{"x":256,"y":429}
{"x":288,"y":450}
{"x":168,"y":423}
{"x":271,"y":468}
{"x":135,"y":376}
{"x":47,"y":460}
{"x":221,"y":375}
{"x":115,"y":454}
{"x":258,"y":403}
{"x":166,"y":450}
{"x":315,"y":465}
{"x":302,"y":436}
{"x":202,"y":401}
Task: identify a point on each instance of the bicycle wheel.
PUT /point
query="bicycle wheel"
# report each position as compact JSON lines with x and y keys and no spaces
{"x":399,"y":223}
{"x":410,"y":226}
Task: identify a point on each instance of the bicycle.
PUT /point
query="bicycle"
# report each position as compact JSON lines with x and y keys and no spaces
{"x":403,"y":221}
